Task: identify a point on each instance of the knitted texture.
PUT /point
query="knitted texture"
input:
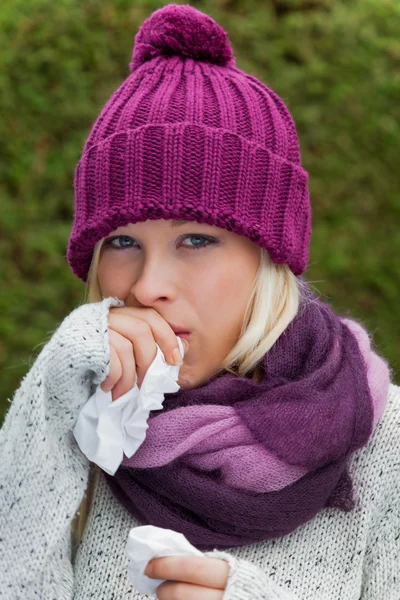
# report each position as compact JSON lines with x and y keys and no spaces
{"x":336,"y":556}
{"x":43,"y":474}
{"x":235,"y":462}
{"x":190,"y":136}
{"x":246,"y":583}
{"x":43,"y":477}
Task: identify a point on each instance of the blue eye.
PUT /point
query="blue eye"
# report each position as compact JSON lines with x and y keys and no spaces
{"x":108,"y":242}
{"x":125,"y":239}
{"x":203,"y":237}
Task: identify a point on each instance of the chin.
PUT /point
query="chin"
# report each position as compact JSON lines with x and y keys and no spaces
{"x":185,"y":382}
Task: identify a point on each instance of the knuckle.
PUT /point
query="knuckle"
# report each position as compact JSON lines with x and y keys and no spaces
{"x":181,"y":564}
{"x":115,"y":366}
{"x":141,"y":327}
{"x":119,"y":342}
{"x":115,"y":373}
{"x":125,"y":345}
{"x":158,"y":321}
{"x":198,"y":567}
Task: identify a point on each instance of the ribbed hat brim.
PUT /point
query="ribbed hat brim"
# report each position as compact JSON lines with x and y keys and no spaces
{"x":194,"y":172}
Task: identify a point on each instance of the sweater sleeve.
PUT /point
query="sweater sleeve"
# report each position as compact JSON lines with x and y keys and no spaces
{"x":43,"y":473}
{"x":381,"y":570}
{"x":246,"y":581}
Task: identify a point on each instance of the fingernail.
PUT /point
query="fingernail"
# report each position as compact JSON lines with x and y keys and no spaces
{"x":177,"y":356}
{"x":149,"y":569}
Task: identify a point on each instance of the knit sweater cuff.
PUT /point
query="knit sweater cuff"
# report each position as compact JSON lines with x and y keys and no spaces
{"x":246,"y":581}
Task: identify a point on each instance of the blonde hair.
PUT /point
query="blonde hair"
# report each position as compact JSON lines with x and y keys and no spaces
{"x":274,"y":301}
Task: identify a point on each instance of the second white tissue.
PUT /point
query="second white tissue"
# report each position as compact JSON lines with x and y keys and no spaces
{"x":147,"y":542}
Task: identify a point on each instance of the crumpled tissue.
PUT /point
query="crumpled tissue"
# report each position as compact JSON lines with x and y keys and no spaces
{"x":105,"y":430}
{"x":147,"y":542}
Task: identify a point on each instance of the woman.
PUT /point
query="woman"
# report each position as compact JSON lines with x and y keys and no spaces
{"x":278,"y":456}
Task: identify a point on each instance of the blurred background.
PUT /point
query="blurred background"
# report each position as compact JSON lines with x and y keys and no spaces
{"x":335,"y":63}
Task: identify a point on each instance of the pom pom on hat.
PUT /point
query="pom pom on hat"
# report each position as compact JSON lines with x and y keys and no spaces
{"x":181,"y":29}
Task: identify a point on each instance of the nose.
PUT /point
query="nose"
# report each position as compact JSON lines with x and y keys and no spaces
{"x":155,"y":282}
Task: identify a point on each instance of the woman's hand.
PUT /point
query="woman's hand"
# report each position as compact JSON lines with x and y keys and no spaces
{"x":133,"y":334}
{"x":189,"y":577}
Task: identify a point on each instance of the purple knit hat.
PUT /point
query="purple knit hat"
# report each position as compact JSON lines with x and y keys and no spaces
{"x":190,"y":136}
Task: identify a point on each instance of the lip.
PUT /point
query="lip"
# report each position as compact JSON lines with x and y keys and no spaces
{"x":184,"y":336}
{"x":178,"y":330}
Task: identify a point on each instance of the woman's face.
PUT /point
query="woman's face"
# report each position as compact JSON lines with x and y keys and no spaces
{"x":196,"y":276}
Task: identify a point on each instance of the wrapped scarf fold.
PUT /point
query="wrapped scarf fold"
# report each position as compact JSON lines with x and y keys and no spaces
{"x":234,"y":462}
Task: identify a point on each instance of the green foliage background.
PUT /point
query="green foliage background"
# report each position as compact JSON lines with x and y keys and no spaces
{"x":336,"y":64}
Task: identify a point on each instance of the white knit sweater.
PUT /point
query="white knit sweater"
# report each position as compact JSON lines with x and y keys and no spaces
{"x":43,"y":477}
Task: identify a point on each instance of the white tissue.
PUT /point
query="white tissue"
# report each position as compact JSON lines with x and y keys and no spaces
{"x":105,"y":430}
{"x":147,"y":542}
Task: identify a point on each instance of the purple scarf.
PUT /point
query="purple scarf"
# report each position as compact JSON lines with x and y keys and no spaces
{"x":234,"y":462}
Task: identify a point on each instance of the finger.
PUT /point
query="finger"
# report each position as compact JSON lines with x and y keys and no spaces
{"x":139,"y":336}
{"x":200,"y":570}
{"x":162,"y":333}
{"x":127,"y":376}
{"x":115,"y":371}
{"x":172,"y":590}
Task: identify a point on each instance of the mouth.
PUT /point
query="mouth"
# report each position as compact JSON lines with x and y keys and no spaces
{"x":178,"y":330}
{"x":184,"y":335}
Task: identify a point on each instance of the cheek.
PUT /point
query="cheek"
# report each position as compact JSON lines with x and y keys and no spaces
{"x":112,"y":277}
{"x":221,"y":296}
{"x":232,"y":283}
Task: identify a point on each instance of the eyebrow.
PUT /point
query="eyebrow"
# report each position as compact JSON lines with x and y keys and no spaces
{"x":178,"y":223}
